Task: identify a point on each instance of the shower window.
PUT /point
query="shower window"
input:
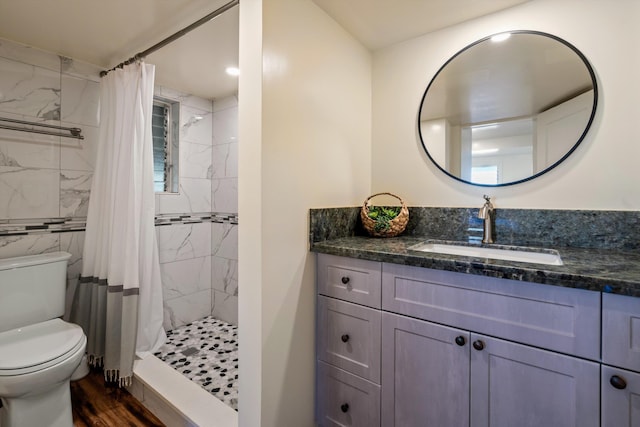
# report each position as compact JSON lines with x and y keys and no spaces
{"x":165,"y":131}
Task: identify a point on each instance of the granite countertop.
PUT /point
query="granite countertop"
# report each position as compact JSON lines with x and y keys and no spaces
{"x":602,"y":270}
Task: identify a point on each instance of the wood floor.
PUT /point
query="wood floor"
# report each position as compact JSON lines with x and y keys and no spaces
{"x":98,"y":404}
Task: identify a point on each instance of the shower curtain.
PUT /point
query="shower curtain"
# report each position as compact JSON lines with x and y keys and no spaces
{"x":118,"y":301}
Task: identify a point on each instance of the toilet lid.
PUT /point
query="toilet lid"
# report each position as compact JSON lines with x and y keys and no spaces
{"x":35,"y":345}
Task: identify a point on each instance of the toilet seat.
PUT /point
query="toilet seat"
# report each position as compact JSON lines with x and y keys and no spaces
{"x":35,"y":347}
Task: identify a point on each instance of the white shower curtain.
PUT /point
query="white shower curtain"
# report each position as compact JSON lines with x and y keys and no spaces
{"x":118,"y":301}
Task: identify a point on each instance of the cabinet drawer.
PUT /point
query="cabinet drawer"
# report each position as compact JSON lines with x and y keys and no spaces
{"x":349,"y":337}
{"x":354,"y":280}
{"x":346,"y":400}
{"x":621,"y":331}
{"x":562,"y":319}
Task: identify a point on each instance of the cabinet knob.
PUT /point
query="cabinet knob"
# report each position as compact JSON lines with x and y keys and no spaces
{"x":345,"y":280}
{"x":618,"y":382}
{"x":460,"y":341}
{"x":345,"y":338}
{"x":344,"y":407}
{"x":478,"y":345}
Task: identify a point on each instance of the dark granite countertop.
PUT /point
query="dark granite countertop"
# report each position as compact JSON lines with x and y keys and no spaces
{"x":604,"y":270}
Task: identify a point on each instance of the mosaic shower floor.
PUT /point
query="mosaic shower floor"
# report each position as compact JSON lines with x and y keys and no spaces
{"x":206,"y":352}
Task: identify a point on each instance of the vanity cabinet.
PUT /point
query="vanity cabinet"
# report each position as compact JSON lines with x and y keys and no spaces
{"x":455,"y":349}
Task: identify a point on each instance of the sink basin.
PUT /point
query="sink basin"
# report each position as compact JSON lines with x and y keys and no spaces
{"x":506,"y":253}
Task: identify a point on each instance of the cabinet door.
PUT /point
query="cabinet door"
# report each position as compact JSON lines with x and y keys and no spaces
{"x":621,"y":331}
{"x":425,"y":373}
{"x":517,"y":385}
{"x":620,"y":398}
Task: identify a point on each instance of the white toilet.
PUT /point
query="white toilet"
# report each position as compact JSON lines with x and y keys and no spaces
{"x":38,"y":351}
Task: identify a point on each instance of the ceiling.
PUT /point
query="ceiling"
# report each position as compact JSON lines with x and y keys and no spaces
{"x":380,"y":23}
{"x":106,"y":33}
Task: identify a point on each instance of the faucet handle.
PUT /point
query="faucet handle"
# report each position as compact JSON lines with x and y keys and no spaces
{"x":486,"y":209}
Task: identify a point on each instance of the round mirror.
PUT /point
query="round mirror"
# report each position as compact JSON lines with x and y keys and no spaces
{"x":507,"y":108}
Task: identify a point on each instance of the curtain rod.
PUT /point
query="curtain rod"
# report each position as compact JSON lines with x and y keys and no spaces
{"x":141,"y":55}
{"x":73,"y":132}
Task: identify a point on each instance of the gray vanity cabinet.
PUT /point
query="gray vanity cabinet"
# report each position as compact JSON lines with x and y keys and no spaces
{"x":438,"y":348}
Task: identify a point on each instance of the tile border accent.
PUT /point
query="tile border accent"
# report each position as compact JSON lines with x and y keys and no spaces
{"x":194,"y":218}
{"x":24,"y":227}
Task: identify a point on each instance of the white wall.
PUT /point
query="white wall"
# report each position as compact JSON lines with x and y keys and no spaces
{"x":305,"y":126}
{"x":601,"y":174}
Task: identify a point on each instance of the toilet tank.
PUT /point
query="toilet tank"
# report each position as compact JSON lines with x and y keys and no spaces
{"x":32,"y":289}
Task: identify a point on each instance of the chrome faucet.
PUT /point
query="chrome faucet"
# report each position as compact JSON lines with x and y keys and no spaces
{"x":486,"y":213}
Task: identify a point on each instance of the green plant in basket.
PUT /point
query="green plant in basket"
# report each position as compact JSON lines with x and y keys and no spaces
{"x":383,"y":216}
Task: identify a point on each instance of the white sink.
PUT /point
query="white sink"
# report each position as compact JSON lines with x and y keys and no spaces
{"x":544,"y":256}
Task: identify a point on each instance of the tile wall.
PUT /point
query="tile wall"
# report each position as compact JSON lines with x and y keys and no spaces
{"x":45,"y":181}
{"x":197,"y":228}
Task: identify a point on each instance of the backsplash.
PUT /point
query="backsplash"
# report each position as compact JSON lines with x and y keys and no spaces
{"x":524,"y":227}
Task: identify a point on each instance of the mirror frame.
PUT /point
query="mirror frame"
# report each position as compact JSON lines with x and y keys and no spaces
{"x":573,"y":148}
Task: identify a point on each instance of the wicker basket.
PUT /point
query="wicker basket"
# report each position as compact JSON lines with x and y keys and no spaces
{"x":395,"y":226}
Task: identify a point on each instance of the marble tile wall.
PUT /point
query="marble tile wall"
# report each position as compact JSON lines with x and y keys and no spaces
{"x":45,"y":178}
{"x":224,"y":198}
{"x":199,"y":258}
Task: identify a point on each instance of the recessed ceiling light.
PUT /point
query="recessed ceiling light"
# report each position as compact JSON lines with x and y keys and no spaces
{"x":500,"y":37}
{"x":486,"y":151}
{"x":233,"y":71}
{"x":476,"y":128}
